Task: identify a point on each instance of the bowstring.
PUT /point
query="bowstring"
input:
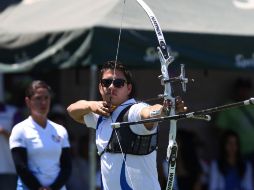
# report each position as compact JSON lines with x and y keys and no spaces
{"x":119,"y":35}
{"x":114,"y":74}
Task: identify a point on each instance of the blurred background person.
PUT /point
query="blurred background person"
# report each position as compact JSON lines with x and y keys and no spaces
{"x":40,"y":147}
{"x":230,"y":171}
{"x":9,"y":116}
{"x":79,"y":179}
{"x":58,"y":114}
{"x":240,"y":120}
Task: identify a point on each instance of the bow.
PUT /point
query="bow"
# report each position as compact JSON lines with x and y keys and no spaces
{"x":165,"y":60}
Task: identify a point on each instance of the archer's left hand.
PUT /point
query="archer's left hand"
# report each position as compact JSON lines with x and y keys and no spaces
{"x":179,"y":106}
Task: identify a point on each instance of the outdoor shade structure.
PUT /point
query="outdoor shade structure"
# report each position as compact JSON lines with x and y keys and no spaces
{"x":42,"y":34}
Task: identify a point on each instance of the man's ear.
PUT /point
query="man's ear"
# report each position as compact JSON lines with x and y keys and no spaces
{"x":129,"y":87}
{"x":100,"y":88}
{"x":27,"y":100}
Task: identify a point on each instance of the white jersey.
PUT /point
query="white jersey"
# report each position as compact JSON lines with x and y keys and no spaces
{"x":43,"y":147}
{"x":139,"y":172}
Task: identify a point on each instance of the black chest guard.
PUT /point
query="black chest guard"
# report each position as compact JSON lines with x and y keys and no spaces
{"x":130,"y":142}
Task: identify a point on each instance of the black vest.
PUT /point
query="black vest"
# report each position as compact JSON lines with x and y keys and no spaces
{"x":130,"y":142}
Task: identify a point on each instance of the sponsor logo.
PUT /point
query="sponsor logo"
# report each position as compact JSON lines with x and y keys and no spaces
{"x":242,"y":62}
{"x":56,"y":138}
{"x":151,"y":54}
{"x":171,"y":180}
{"x":156,"y":25}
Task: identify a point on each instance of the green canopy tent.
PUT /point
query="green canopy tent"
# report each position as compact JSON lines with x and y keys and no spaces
{"x":43,"y":34}
{"x":38,"y":35}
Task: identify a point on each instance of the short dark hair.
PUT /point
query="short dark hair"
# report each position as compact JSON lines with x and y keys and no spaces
{"x":117,"y":65}
{"x":30,"y":91}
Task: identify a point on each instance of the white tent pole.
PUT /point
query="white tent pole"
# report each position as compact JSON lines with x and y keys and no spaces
{"x":92,"y":148}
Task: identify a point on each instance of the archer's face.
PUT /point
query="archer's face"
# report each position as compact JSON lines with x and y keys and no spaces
{"x":39,"y":103}
{"x":117,"y":92}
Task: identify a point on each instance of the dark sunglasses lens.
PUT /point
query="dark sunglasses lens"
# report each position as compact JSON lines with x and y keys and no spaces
{"x":118,"y":83}
{"x":106,"y":82}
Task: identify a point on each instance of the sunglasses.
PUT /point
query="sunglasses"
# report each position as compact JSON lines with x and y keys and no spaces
{"x":118,"y":83}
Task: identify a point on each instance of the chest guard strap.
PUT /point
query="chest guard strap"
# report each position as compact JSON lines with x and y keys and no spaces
{"x":131,"y":143}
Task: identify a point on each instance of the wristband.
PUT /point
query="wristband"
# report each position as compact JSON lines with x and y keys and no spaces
{"x":155,"y":113}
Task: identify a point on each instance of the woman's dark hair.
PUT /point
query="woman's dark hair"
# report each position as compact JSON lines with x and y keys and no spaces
{"x":30,"y":91}
{"x":116,"y":65}
{"x":222,"y":161}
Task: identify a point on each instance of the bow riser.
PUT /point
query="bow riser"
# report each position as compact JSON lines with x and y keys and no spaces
{"x":165,"y":60}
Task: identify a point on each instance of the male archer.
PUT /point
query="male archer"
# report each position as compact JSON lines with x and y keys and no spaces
{"x":127,"y":154}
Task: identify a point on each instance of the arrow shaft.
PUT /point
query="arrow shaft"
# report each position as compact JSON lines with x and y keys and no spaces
{"x":194,"y":115}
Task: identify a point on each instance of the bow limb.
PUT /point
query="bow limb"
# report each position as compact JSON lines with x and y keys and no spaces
{"x":165,"y":60}
{"x":158,"y":31}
